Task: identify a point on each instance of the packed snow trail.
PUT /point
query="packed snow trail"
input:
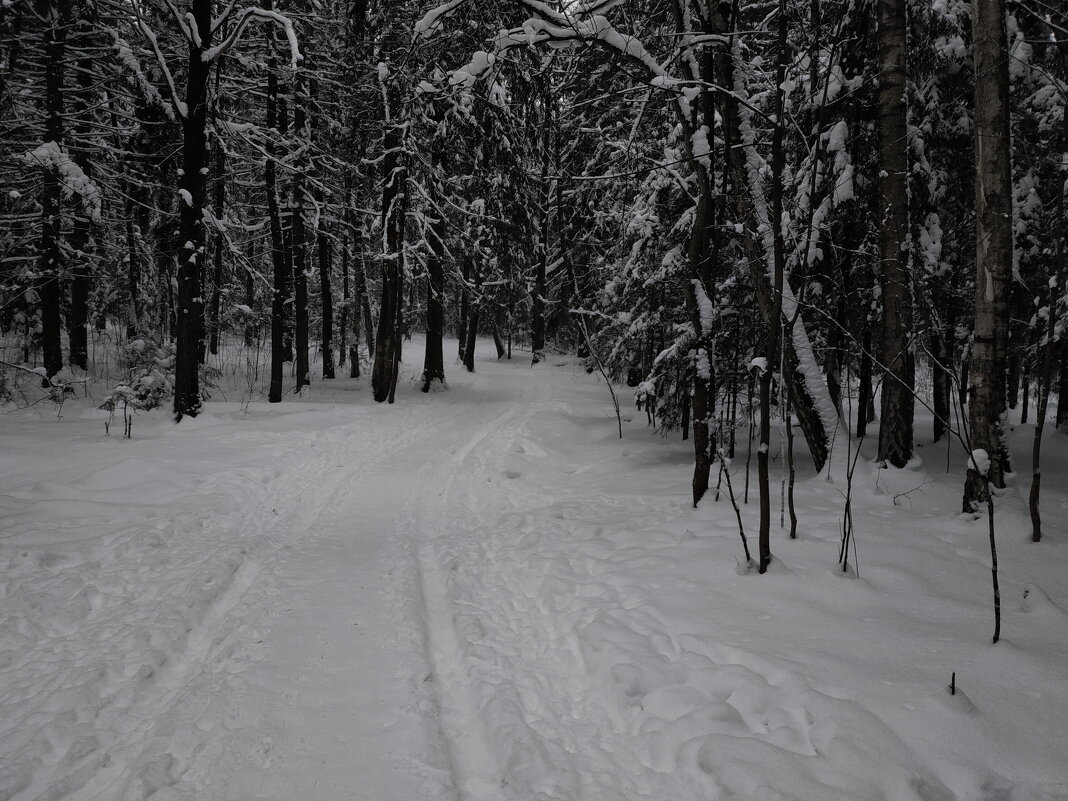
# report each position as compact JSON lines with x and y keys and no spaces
{"x":484,"y":595}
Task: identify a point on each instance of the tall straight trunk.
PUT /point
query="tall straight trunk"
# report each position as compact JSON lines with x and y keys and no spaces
{"x":250,"y":299}
{"x":81,"y":236}
{"x":387,"y":346}
{"x":1045,"y":380}
{"x":274,"y":214}
{"x":194,"y":180}
{"x":864,"y":394}
{"x":215,"y":314}
{"x":300,"y":289}
{"x":1025,"y":392}
{"x":701,"y":399}
{"x":326,"y":267}
{"x":361,"y":302}
{"x":702,"y":254}
{"x":993,"y":257}
{"x":434,"y":356}
{"x":50,"y":254}
{"x":133,"y":269}
{"x":778,"y":164}
{"x":343,"y":323}
{"x":895,"y":430}
{"x":465,"y":310}
{"x":1061,"y":419}
{"x":1012,"y":379}
{"x":942,"y":384}
{"x":471,"y":331}
{"x":300,"y":245}
{"x":537,"y":305}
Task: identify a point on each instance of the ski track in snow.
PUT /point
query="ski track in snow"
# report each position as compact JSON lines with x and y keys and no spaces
{"x":483,"y":595}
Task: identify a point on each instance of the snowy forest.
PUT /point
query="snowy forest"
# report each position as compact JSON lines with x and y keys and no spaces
{"x":622,"y":400}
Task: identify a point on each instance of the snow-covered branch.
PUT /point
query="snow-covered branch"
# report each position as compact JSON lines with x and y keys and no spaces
{"x":179,"y":105}
{"x":247,"y":15}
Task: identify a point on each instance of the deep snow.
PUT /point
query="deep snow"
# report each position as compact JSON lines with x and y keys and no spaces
{"x":484,"y":594}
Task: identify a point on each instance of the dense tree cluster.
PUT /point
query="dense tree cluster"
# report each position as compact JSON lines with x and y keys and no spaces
{"x":803,"y":205}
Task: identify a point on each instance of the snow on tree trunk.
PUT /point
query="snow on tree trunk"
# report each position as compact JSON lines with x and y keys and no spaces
{"x":189,"y":330}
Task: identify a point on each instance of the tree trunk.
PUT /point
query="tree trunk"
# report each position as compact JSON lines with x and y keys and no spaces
{"x":942,"y":385}
{"x":895,"y":431}
{"x":1012,"y":380}
{"x":537,"y":305}
{"x":1045,"y":380}
{"x":772,"y":353}
{"x":215,"y":315}
{"x":278,"y":257}
{"x":50,"y":259}
{"x":343,"y":323}
{"x":387,"y":347}
{"x":465,"y":311}
{"x":194,"y":180}
{"x":300,"y":245}
{"x":498,"y":342}
{"x":816,"y":431}
{"x":993,"y":263}
{"x":471,"y":330}
{"x":251,"y":328}
{"x":133,"y":268}
{"x":326,"y":267}
{"x":81,"y":236}
{"x":434,"y":355}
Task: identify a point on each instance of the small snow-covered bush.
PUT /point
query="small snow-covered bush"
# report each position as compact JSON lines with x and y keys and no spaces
{"x":149,"y":379}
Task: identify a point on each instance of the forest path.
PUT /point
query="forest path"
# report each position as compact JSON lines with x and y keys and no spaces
{"x":485,"y":595}
{"x":230,"y":608}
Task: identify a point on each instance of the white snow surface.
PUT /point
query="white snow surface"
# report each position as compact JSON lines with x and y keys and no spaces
{"x":485,"y":594}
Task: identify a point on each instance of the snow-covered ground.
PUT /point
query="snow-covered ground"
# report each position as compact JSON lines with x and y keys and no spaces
{"x":484,"y":594}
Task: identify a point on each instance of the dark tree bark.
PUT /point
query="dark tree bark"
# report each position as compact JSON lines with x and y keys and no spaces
{"x":895,"y":431}
{"x":434,"y":356}
{"x":274,"y":214}
{"x":942,"y":385}
{"x":1045,"y":379}
{"x":50,"y":258}
{"x":325,"y":269}
{"x":817,"y":437}
{"x":343,"y":323}
{"x":251,"y":329}
{"x":189,"y":331}
{"x":133,"y":269}
{"x":498,"y":342}
{"x":81,"y":236}
{"x":993,"y":264}
{"x":1013,"y":379}
{"x":773,"y":348}
{"x":864,"y":395}
{"x":537,"y":305}
{"x":300,"y":246}
{"x":465,"y":310}
{"x":474,"y":307}
{"x":388,"y":342}
{"x":361,"y":302}
{"x":215,"y":313}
